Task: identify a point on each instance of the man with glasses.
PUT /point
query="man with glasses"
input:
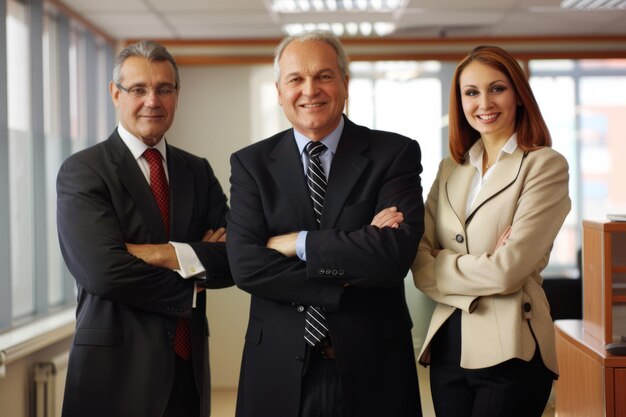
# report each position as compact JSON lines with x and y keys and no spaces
{"x":141,"y":229}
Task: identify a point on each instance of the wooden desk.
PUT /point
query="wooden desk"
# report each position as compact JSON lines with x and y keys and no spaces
{"x":592,"y":382}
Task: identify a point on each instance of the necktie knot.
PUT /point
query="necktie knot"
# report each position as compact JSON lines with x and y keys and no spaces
{"x":152,"y":155}
{"x":314,"y":149}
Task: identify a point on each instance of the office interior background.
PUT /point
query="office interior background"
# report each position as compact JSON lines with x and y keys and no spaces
{"x":56,"y":59}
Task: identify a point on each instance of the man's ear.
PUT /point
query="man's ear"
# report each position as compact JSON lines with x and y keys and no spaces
{"x":115,"y":94}
{"x":279,"y":95}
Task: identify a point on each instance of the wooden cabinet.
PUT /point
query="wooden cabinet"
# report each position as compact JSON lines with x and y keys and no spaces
{"x":604,"y":279}
{"x":592,"y":381}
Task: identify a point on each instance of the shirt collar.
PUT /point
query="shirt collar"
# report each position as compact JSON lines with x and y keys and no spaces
{"x":136,"y":146}
{"x":478,"y":148}
{"x":331,"y":141}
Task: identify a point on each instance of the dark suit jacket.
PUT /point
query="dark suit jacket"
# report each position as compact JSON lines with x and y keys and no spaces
{"x":122,"y":360}
{"x":369,"y":321}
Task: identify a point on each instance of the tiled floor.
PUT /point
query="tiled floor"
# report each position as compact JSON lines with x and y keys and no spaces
{"x":223,"y":401}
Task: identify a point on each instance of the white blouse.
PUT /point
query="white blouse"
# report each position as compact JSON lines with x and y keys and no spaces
{"x":476,"y":159}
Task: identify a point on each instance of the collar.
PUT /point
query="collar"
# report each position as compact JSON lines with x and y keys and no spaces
{"x":478,"y":148}
{"x":331,"y":141}
{"x":136,"y":146}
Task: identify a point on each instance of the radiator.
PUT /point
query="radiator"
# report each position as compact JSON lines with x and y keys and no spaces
{"x":49,"y":380}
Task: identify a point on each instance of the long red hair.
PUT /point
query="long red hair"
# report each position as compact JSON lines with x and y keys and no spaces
{"x":532,"y":131}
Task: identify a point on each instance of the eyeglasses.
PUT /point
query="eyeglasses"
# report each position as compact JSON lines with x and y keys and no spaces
{"x":142,"y":92}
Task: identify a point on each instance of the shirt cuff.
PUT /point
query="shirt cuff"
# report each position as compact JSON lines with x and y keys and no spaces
{"x":301,"y":245}
{"x":190,"y":265}
{"x":195,"y":295}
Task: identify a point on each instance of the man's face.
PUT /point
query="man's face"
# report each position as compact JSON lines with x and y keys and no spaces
{"x":311,"y":90}
{"x":147,"y":117}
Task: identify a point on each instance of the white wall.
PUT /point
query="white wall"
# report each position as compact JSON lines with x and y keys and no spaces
{"x":222,"y":109}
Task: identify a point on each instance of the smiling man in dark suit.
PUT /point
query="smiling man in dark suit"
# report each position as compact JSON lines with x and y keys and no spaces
{"x":136,"y":218}
{"x":329,"y":331}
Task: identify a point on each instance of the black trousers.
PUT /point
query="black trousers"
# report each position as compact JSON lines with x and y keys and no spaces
{"x":184,"y":398}
{"x":514,"y":388}
{"x":321,"y":389}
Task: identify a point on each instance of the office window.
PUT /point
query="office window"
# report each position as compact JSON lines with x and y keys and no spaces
{"x":40,"y":137}
{"x":584,"y":103}
{"x":53,"y":153}
{"x":403,"y":97}
{"x":20,"y":159}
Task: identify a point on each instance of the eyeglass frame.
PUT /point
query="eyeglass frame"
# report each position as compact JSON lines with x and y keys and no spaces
{"x":157,"y":91}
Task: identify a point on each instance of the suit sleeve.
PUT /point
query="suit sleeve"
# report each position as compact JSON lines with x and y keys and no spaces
{"x":257,"y":269}
{"x":369,"y":256}
{"x":540,"y":211}
{"x":212,"y":255}
{"x":93,"y":245}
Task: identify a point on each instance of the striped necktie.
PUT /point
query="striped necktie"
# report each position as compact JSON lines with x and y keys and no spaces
{"x":316,"y":326}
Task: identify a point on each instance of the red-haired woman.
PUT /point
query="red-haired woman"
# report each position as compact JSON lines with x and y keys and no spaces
{"x":492,"y":215}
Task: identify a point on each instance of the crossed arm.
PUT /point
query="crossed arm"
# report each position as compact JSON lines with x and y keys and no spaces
{"x":286,"y":244}
{"x":164,"y":255}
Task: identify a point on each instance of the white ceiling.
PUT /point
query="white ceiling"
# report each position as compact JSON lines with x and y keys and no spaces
{"x":250,"y":19}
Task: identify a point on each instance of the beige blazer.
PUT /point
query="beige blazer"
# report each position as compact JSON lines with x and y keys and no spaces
{"x":498,"y":291}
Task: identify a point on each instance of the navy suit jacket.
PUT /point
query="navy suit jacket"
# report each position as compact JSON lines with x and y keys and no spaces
{"x":122,"y":360}
{"x":354,"y":271}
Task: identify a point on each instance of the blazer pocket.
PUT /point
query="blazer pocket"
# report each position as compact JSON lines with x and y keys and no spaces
{"x":99,"y":337}
{"x":254,"y":332}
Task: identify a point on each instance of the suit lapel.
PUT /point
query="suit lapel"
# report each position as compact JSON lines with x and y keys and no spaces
{"x":288,"y":173}
{"x":347,"y":167}
{"x":458,"y":187}
{"x":138,"y":189}
{"x":181,"y":195}
{"x":505,"y":173}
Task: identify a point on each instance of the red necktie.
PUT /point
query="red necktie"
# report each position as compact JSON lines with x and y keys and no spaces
{"x":160,"y":191}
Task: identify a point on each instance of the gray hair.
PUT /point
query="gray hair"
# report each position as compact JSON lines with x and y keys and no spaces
{"x":313,"y":35}
{"x":152,"y":51}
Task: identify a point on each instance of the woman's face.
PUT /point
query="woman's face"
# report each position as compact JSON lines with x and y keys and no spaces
{"x":489,"y":101}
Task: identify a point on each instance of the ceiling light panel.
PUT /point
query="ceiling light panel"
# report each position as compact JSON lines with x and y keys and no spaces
{"x":329,"y":6}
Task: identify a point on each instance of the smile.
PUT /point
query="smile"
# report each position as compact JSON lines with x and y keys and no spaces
{"x":488,"y":117}
{"x":312,"y":106}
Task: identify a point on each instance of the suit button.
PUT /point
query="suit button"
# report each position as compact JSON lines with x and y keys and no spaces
{"x":170,"y":335}
{"x":334,"y":272}
{"x":340,"y":272}
{"x":459,"y":238}
{"x":320,"y":271}
{"x":299,"y":358}
{"x":300,"y":309}
{"x":328,"y":271}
